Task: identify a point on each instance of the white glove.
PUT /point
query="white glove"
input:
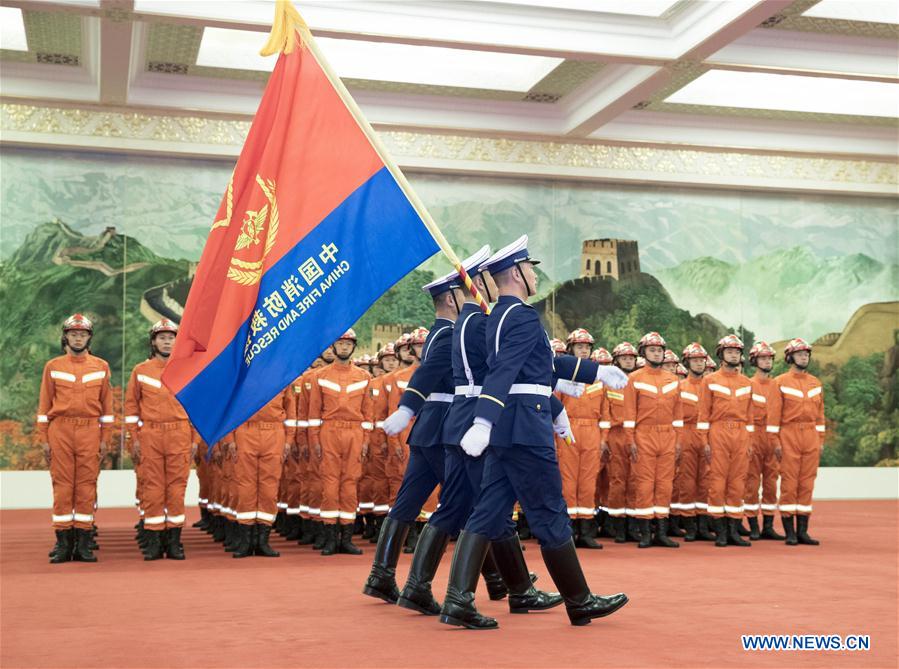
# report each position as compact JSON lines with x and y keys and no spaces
{"x":397,"y":421}
{"x":570,"y":388}
{"x":611,"y":376}
{"x":562,"y":426}
{"x":476,"y":439}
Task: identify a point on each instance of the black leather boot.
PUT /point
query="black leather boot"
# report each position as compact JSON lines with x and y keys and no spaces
{"x":674,"y":526}
{"x":586,"y":534}
{"x":720,"y":531}
{"x":321,"y":536}
{"x":307,"y":535}
{"x":581,"y":604}
{"x":232,"y":536}
{"x":620,"y":529}
{"x":154,"y":549}
{"x":645,"y":526}
{"x":703,"y":533}
{"x":663,"y":537}
{"x":754,"y":534}
{"x":245,"y":547}
{"x":140,"y":530}
{"x":802,"y":532}
{"x":741,"y":528}
{"x":634,"y":532}
{"x":218,"y":534}
{"x":524,"y":530}
{"x":416,"y":594}
{"x":768,"y":531}
{"x":733,"y":534}
{"x":331,"y":540}
{"x":62,"y":551}
{"x":381,"y":581}
{"x":201,"y":523}
{"x":689,"y":523}
{"x":263,"y":549}
{"x":368,"y":530}
{"x":458,"y":606}
{"x":345,"y":544}
{"x":790,"y":529}
{"x":293,"y":528}
{"x":523,"y":596}
{"x":210,"y":522}
{"x":376,"y":532}
{"x":412,"y":537}
{"x":174,"y":550}
{"x":496,"y":587}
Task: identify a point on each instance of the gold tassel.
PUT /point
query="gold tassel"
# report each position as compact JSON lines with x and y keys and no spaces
{"x":287,"y":30}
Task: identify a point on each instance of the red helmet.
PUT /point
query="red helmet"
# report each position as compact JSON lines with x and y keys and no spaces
{"x":797,"y":344}
{"x":602,"y":356}
{"x":557,"y":345}
{"x":624,"y":348}
{"x":363,"y":360}
{"x":670,"y":356}
{"x":579,"y":336}
{"x":694,"y":350}
{"x":389,"y":349}
{"x":78,"y":322}
{"x":404,"y":340}
{"x":650,"y":339}
{"x":419,"y":335}
{"x":760,"y":348}
{"x":164,"y":325}
{"x":681,"y":370}
{"x":349,"y":335}
{"x":728,"y":341}
{"x":709,"y":363}
{"x":641,"y":362}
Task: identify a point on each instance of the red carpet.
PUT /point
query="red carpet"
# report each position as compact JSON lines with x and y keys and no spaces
{"x":688,"y":607}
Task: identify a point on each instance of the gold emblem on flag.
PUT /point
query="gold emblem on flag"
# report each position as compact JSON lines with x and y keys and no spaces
{"x":243,"y":271}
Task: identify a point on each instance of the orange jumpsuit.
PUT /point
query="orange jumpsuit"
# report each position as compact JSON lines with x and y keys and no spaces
{"x":309,"y":465}
{"x":724,"y":422}
{"x":395,"y":466}
{"x":340,"y":422}
{"x":579,"y":463}
{"x":291,"y":479}
{"x":155,"y":418}
{"x":796,"y":423}
{"x":621,"y":486}
{"x":764,"y":468}
{"x":691,"y":481}
{"x":257,"y":469}
{"x":378,"y":455}
{"x":74,"y":415}
{"x":653,"y":420}
{"x":203,"y":476}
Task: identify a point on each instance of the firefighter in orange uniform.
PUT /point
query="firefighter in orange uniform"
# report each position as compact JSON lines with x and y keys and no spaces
{"x":364,"y":514}
{"x":796,"y":422}
{"x":670,"y":364}
{"x":724,"y":423}
{"x":691,"y":481}
{"x":74,"y":419}
{"x":603,"y":522}
{"x":340,"y":426}
{"x":163,"y":442}
{"x":653,"y":421}
{"x":291,"y":480}
{"x":308,"y":469}
{"x":203,"y":478}
{"x":579,"y":462}
{"x":378,"y":454}
{"x":259,"y":449}
{"x":764,"y":466}
{"x":615,"y":452}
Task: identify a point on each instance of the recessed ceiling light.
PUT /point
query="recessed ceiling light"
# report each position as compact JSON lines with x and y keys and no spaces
{"x":383,"y":61}
{"x":12,"y":29}
{"x":876,"y":11}
{"x":654,"y":8}
{"x":759,"y":90}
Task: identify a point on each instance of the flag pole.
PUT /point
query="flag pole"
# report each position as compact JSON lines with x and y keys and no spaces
{"x":282,"y":39}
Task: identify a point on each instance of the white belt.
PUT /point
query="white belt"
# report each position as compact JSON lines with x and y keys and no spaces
{"x":440,"y":397}
{"x":530,"y":389}
{"x":470,"y":391}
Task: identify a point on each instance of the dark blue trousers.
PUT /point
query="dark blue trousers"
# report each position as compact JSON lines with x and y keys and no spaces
{"x":530,"y":475}
{"x":424,"y":472}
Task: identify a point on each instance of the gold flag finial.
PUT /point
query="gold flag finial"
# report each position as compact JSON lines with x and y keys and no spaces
{"x":287,"y":30}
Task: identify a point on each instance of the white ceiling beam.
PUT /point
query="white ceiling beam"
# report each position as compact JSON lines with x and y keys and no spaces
{"x":713,"y":132}
{"x":115,"y":53}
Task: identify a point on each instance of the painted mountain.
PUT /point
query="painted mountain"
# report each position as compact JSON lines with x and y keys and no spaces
{"x":783,"y":294}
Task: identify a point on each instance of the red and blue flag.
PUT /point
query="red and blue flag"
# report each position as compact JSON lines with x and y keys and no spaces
{"x":312,"y":229}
